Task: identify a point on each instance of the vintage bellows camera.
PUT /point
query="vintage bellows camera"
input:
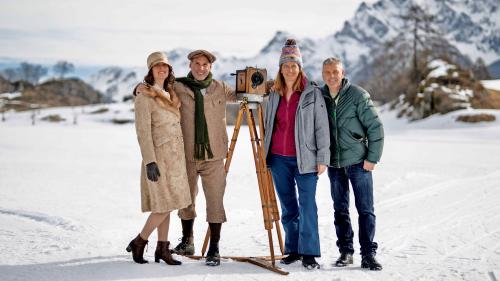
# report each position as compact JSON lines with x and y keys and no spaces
{"x":251,"y":80}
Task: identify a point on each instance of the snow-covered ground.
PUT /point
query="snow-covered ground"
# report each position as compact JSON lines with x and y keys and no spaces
{"x":491,"y":84}
{"x":69,"y":204}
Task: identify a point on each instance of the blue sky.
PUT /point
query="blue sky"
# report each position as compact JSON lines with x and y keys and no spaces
{"x":121,"y":32}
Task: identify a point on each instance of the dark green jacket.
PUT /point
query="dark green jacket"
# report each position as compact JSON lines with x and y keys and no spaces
{"x":356,"y":132}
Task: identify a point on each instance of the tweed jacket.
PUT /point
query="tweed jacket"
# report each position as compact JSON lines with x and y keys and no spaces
{"x":218,"y":94}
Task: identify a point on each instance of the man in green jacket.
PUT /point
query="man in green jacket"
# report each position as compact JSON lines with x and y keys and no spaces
{"x":356,"y":142}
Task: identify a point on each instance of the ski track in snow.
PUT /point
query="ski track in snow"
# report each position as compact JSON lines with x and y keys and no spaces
{"x":43,"y":218}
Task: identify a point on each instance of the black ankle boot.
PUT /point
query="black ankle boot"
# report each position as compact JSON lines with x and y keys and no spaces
{"x":309,"y":262}
{"x":291,"y":258}
{"x":213,"y":257}
{"x":186,"y":246}
{"x":370,"y":262}
{"x":344,"y":260}
{"x":163,"y":253}
{"x":136,"y":246}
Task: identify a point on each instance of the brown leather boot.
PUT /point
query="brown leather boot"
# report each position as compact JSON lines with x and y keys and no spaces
{"x":162,"y":252}
{"x":136,"y":246}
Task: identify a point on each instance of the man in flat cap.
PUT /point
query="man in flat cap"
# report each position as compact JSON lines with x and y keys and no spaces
{"x":203,"y":122}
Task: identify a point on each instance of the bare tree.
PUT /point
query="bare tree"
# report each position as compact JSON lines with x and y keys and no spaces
{"x":2,"y":108}
{"x":390,"y":71}
{"x":11,"y":74}
{"x":31,"y":72}
{"x":480,"y":70}
{"x":62,"y":68}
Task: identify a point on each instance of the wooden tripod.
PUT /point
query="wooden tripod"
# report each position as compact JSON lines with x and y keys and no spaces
{"x":270,"y":210}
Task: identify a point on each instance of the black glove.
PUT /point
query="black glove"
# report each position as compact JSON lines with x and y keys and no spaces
{"x":152,"y":171}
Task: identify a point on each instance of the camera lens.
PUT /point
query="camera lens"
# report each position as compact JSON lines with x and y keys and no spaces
{"x":257,"y":79}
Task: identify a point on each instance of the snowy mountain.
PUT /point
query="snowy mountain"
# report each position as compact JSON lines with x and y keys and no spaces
{"x":115,"y":83}
{"x":473,"y":27}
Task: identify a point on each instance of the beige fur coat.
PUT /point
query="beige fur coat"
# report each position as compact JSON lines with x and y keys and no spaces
{"x":157,"y":122}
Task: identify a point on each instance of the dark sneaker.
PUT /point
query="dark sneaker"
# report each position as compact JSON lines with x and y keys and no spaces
{"x":185,"y":248}
{"x":309,"y":262}
{"x":291,"y":258}
{"x":371,"y":263}
{"x":213,"y":257}
{"x":344,"y":260}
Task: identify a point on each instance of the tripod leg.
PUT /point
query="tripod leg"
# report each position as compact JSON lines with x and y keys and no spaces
{"x":234,"y":138}
{"x":267,"y":184}
{"x":264,"y":184}
{"x":276,"y":214}
{"x":272,"y":194}
{"x":274,"y":210}
{"x":271,"y":246}
{"x":258,"y":166}
{"x":205,"y":242}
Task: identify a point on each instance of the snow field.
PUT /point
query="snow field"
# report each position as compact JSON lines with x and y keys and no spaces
{"x":69,"y":205}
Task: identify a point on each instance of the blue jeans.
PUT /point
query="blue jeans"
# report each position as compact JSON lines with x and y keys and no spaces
{"x":299,"y":216}
{"x":362,"y":186}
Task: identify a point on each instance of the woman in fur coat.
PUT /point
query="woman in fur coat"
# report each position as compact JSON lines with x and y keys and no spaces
{"x":164,"y":183}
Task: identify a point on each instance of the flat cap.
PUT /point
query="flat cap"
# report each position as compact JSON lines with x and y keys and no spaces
{"x":211,"y":58}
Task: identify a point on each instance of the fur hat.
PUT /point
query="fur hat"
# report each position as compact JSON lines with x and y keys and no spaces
{"x":291,"y":52}
{"x":156,"y":58}
{"x":211,"y":58}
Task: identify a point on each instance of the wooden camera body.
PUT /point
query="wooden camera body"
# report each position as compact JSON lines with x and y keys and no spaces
{"x":251,"y":80}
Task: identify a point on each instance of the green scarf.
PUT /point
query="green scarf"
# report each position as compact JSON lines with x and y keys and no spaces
{"x":201,"y":141}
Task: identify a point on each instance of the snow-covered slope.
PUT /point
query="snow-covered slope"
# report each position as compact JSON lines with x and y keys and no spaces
{"x":491,"y":84}
{"x":69,"y":204}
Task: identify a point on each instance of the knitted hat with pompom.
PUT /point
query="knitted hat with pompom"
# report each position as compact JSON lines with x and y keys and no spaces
{"x":291,"y":52}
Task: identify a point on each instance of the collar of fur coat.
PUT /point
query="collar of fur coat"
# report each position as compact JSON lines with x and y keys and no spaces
{"x":162,"y":97}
